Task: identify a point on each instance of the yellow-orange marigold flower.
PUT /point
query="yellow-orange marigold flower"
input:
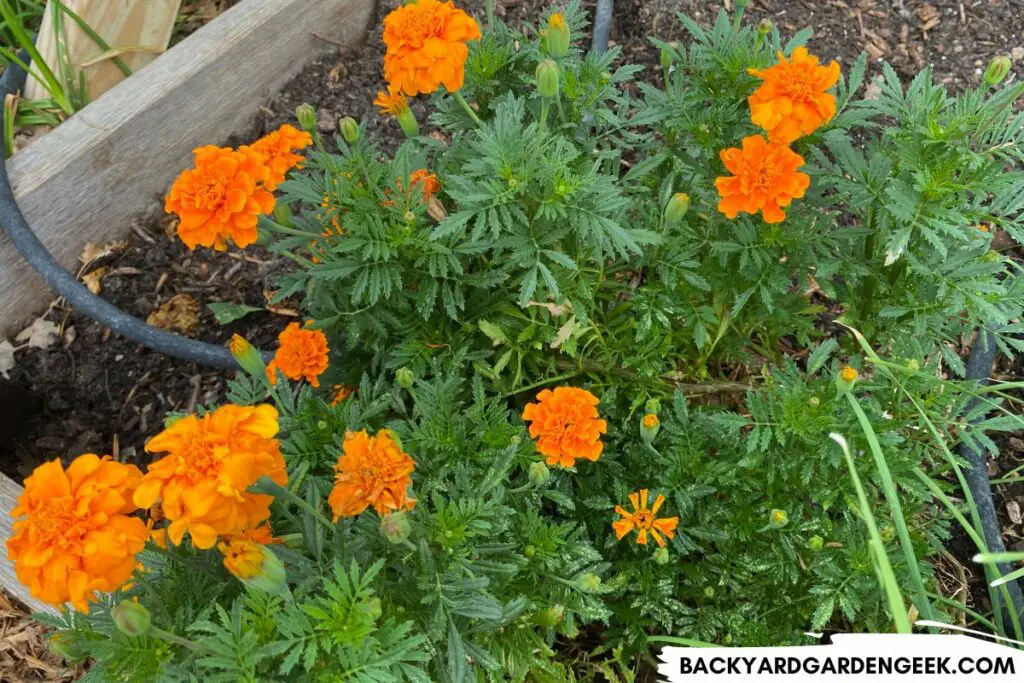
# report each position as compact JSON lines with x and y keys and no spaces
{"x":374,"y":470}
{"x":427,"y":181}
{"x":643,"y":520}
{"x":848,"y":374}
{"x":221,"y":198}
{"x":793,"y":100}
{"x":279,"y":148}
{"x":764,"y":179}
{"x":302,"y":354}
{"x":426,"y":46}
{"x":242,"y":557}
{"x":203,"y":481}
{"x":651,"y":421}
{"x":566,"y":425}
{"x":393,"y":103}
{"x":73,"y":534}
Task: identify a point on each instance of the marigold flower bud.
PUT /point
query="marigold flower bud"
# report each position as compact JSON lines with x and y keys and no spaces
{"x":649,"y":427}
{"x":677,"y":208}
{"x":777,"y":519}
{"x":815,"y":544}
{"x":997,"y":70}
{"x":63,"y":644}
{"x":131,"y":618}
{"x":914,"y":364}
{"x":247,"y":356}
{"x":667,"y":56}
{"x":814,"y":401}
{"x":589,"y":582}
{"x":306,"y":116}
{"x":845,"y":379}
{"x":395,"y":527}
{"x":349,"y":129}
{"x":407,"y":120}
{"x":530,"y":550}
{"x":371,"y":607}
{"x":653,"y":405}
{"x":557,"y":38}
{"x":551,"y":617}
{"x":764,"y":27}
{"x":709,"y":591}
{"x":405,"y":377}
{"x":547,"y":78}
{"x":887,"y":533}
{"x":661,"y":556}
{"x":539,"y":474}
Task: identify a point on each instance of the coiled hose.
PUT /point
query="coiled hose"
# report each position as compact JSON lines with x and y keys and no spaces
{"x":13,"y":222}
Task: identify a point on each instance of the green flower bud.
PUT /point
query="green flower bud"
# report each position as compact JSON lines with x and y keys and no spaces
{"x":845,"y":380}
{"x":371,"y":607}
{"x":709,"y":592}
{"x":914,"y":364}
{"x":997,"y":70}
{"x":247,"y":357}
{"x":677,"y":208}
{"x":650,"y":425}
{"x":764,"y":27}
{"x":131,"y":618}
{"x":539,"y":474}
{"x":322,"y":425}
{"x":306,"y":115}
{"x":777,"y":519}
{"x":550,"y":617}
{"x":409,"y":216}
{"x":405,"y":377}
{"x":395,"y":527}
{"x":815,"y":544}
{"x":407,"y":120}
{"x":557,"y":38}
{"x":589,"y":583}
{"x":814,"y":401}
{"x":653,"y":405}
{"x":349,"y":129}
{"x":547,"y":79}
{"x":62,"y":644}
{"x":530,"y":550}
{"x":992,"y":256}
{"x":271,"y":576}
{"x":667,"y":56}
{"x":661,"y":556}
{"x":727,"y":640}
{"x":887,"y":533}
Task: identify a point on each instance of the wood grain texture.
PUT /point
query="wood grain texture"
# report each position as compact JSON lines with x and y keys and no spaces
{"x":140,"y":28}
{"x":9,"y":492}
{"x":86,"y":179}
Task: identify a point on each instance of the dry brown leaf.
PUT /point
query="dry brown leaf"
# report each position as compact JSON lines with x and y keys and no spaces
{"x":93,"y":253}
{"x":126,"y":270}
{"x":553,"y":309}
{"x":170,"y":226}
{"x":94,"y":280}
{"x":284,"y":310}
{"x":41,"y":334}
{"x":564,"y":332}
{"x":180,"y":313}
{"x":873,"y":89}
{"x":1013,"y":511}
{"x":436,"y":210}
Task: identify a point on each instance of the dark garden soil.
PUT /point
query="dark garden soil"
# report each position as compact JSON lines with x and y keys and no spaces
{"x":98,"y":393}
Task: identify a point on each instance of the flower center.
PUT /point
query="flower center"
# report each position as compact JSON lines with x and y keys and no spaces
{"x":208,"y":190}
{"x":54,"y":521}
{"x":644,"y":519}
{"x":798,"y":85}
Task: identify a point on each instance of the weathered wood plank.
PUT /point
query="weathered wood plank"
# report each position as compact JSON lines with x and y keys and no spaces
{"x":9,"y":492}
{"x":83,"y":181}
{"x":140,"y":28}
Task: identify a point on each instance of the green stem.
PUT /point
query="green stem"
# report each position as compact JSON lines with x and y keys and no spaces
{"x":867,"y":291}
{"x":274,"y":489}
{"x":543,"y":382}
{"x":489,"y":5}
{"x":178,"y":640}
{"x":468,"y":109}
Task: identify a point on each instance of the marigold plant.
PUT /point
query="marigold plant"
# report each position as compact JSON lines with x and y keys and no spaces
{"x":566,"y":425}
{"x":212,"y":460}
{"x":426,"y":46}
{"x":73,"y":533}
{"x":221,"y":198}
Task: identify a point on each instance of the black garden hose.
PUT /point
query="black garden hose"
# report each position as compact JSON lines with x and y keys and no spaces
{"x":602,"y":25}
{"x":13,"y":222}
{"x":979,"y":366}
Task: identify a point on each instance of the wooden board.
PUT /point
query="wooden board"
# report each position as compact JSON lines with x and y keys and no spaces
{"x":9,"y":492}
{"x":85,"y":180}
{"x":140,"y":30}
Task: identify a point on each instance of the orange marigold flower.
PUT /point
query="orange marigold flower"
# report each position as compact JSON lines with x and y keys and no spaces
{"x":651,"y":421}
{"x":566,"y":425}
{"x":242,"y":557}
{"x":427,"y":180}
{"x":793,"y":100}
{"x":279,"y":148}
{"x":393,"y":103}
{"x":75,"y":535}
{"x":374,"y":470}
{"x":426,"y":46}
{"x":302,"y":354}
{"x":202,"y":482}
{"x":643,"y":520}
{"x":764,"y":179}
{"x":341,"y":392}
{"x":221,"y":198}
